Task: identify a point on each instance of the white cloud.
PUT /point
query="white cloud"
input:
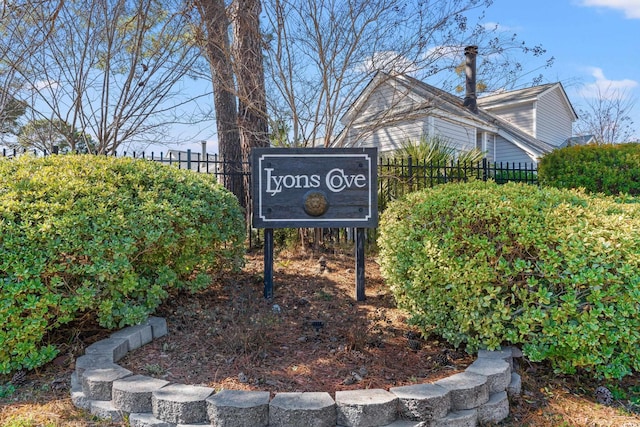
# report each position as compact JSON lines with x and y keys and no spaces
{"x":495,"y":26}
{"x":631,"y":8}
{"x":444,"y":52}
{"x":603,"y":87}
{"x":388,"y":61}
{"x":44,"y":84}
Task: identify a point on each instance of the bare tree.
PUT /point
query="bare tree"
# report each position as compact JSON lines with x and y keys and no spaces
{"x":249,"y":72}
{"x":215,"y":23}
{"x":607,"y":117}
{"x":321,"y":52}
{"x":109,"y":67}
{"x":50,"y":136}
{"x":21,"y":33}
{"x":238,"y":83}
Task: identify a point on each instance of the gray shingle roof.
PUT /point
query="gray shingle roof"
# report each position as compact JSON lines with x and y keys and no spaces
{"x":519,"y":95}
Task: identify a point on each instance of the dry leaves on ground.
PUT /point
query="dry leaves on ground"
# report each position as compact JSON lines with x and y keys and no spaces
{"x":313,"y":335}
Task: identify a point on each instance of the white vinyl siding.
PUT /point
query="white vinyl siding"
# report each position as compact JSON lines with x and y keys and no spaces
{"x":506,"y":152}
{"x":374,"y":128}
{"x":391,"y":112}
{"x":486,"y":143}
{"x":459,"y":136}
{"x":554,"y":121}
{"x":388,"y":138}
{"x":385,"y":99}
{"x":519,"y":115}
{"x":548,"y":118}
{"x":391,"y":137}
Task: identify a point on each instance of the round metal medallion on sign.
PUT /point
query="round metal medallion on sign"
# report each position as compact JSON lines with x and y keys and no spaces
{"x":315,"y":203}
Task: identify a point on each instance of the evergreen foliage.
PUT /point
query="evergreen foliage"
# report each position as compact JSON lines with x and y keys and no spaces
{"x":554,"y":271}
{"x":104,"y":236}
{"x":608,"y":169}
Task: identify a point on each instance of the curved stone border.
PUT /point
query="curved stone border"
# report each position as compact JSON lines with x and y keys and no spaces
{"x":476,"y":396}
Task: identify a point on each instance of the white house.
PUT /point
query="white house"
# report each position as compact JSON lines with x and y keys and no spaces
{"x":516,"y":126}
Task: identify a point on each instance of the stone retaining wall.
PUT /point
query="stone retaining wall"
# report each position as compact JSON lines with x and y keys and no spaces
{"x":476,"y":396}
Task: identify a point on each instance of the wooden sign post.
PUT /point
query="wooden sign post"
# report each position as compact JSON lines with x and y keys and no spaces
{"x":314,"y":187}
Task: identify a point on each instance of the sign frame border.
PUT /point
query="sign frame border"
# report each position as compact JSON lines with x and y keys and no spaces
{"x":259,"y":155}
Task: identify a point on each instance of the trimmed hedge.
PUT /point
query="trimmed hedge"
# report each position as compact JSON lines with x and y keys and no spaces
{"x":554,"y":271}
{"x":106,"y":236}
{"x":608,"y":169}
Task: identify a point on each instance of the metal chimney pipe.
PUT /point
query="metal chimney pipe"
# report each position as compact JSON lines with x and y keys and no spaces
{"x":470,"y":98}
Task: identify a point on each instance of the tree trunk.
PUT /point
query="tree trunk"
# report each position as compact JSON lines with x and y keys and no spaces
{"x":224,"y":95}
{"x":249,"y":71}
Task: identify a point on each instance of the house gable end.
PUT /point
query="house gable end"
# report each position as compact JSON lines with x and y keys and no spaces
{"x":558,"y":91}
{"x":544,"y":112}
{"x":383,"y":94}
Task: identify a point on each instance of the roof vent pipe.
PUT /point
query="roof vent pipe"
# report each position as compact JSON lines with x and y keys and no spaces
{"x":470,"y":97}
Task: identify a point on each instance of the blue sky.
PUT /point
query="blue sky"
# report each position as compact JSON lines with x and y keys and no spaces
{"x":595,"y":43}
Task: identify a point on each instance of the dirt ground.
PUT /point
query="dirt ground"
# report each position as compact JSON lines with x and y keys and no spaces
{"x":313,"y":335}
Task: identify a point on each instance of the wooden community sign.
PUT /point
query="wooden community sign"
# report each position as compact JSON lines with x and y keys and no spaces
{"x":314,"y":188}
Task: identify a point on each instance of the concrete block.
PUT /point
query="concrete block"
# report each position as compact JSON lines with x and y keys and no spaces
{"x":467,"y":390}
{"x":422,"y":402}
{"x":116,"y":348}
{"x":468,"y":418}
{"x":97,"y":383}
{"x":75,"y":383}
{"x":515,"y":386}
{"x":407,"y":423}
{"x":106,"y":411}
{"x":181,"y":404}
{"x":238,"y":408}
{"x":137,"y":335}
{"x":78,"y":398}
{"x":495,"y":410}
{"x":133,"y":394}
{"x":93,"y":361}
{"x":505,"y":354}
{"x":158,"y":326}
{"x":313,"y":409}
{"x":366,"y":408}
{"x":497,"y":371}
{"x":147,"y":420}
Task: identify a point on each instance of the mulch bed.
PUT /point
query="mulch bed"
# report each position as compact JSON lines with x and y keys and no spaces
{"x":313,"y":335}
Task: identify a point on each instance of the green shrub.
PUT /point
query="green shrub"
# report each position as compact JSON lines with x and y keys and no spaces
{"x":555,"y":271}
{"x":608,"y":169}
{"x":106,"y":236}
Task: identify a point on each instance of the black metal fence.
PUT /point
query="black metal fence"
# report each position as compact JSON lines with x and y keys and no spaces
{"x":396,"y":177}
